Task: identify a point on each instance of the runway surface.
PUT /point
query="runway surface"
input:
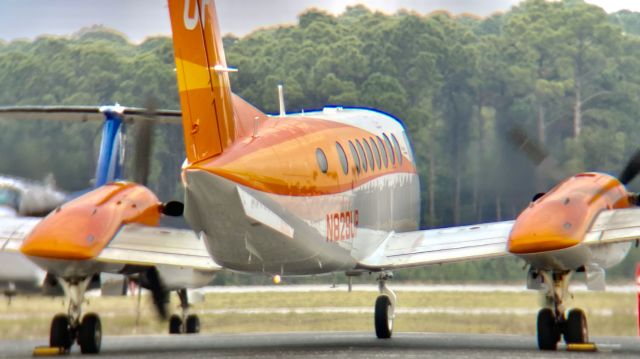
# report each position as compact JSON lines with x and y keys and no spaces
{"x":331,"y":345}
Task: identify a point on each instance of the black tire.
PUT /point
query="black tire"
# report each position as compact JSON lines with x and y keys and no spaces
{"x":575,"y":330}
{"x":175,"y":325}
{"x":383,"y":321}
{"x":193,"y":324}
{"x":90,"y":335}
{"x":548,"y":331}
{"x":60,"y":333}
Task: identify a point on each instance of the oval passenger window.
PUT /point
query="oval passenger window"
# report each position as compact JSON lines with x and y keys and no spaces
{"x":322,"y":160}
{"x":376,"y":152}
{"x":343,"y":158}
{"x":397,"y":147}
{"x":369,"y":154}
{"x":383,"y":152}
{"x":363,"y":157}
{"x":391,"y":151}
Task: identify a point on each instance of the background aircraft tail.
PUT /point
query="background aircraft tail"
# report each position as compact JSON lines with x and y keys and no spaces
{"x":203,"y":81}
{"x":110,"y":158}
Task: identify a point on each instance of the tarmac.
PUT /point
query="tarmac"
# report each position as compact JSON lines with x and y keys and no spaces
{"x":331,"y":345}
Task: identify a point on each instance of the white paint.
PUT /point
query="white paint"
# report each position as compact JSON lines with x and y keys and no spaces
{"x":257,"y":211}
{"x":190,"y":22}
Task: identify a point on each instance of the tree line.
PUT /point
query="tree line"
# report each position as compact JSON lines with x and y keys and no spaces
{"x":565,"y":73}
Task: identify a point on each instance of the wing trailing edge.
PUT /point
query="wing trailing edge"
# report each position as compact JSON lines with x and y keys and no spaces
{"x":440,"y":246}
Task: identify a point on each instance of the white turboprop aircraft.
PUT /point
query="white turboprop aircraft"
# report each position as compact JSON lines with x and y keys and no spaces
{"x":337,"y":190}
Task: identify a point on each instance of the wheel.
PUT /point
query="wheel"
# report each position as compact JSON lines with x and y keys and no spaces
{"x":548,"y":331}
{"x":575,"y":330}
{"x":383,"y":317}
{"x":60,"y":333}
{"x":90,"y":335}
{"x":175,"y":325}
{"x":193,"y":324}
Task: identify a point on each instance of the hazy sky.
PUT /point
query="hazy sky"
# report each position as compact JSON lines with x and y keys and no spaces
{"x":141,"y":18}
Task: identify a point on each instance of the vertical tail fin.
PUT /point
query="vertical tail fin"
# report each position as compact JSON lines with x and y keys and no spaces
{"x":203,"y":81}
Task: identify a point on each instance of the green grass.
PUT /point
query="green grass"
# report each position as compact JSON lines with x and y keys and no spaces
{"x":29,"y":317}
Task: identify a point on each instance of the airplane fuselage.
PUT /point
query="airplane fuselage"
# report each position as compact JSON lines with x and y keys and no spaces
{"x":267,"y":204}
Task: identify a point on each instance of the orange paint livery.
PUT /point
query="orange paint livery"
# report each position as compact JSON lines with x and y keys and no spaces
{"x":203,"y":82}
{"x":560,"y":219}
{"x":260,"y":162}
{"x":82,"y":228}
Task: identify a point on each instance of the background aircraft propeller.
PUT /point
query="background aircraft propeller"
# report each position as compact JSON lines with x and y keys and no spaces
{"x":159,"y":294}
{"x":144,"y":144}
{"x":547,"y":166}
{"x":631,"y":170}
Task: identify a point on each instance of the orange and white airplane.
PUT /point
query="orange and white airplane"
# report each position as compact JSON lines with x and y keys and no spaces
{"x":337,"y":190}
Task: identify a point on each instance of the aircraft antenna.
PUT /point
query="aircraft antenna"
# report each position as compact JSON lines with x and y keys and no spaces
{"x":281,"y":100}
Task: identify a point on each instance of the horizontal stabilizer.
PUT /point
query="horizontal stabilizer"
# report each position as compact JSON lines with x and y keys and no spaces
{"x":86,"y":113}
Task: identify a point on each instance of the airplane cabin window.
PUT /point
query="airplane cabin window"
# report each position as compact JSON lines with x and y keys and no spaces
{"x":363,"y":157}
{"x":367,"y":147}
{"x":322,"y":160}
{"x":396,"y":145}
{"x":392,"y":155}
{"x":383,"y":152}
{"x":355,"y":156}
{"x":343,"y":158}
{"x":376,"y":152}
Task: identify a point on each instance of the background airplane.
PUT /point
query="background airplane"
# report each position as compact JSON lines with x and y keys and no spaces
{"x":20,"y":197}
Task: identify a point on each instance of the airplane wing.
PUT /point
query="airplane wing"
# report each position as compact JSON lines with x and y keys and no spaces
{"x":85,"y":113}
{"x":439,"y":246}
{"x":13,"y":230}
{"x":133,"y":244}
{"x":144,"y":245}
{"x":614,"y":226}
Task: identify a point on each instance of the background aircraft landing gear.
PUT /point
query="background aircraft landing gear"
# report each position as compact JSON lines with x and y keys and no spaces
{"x":552,"y":322}
{"x":187,"y":323}
{"x":67,"y":328}
{"x":385,"y":308}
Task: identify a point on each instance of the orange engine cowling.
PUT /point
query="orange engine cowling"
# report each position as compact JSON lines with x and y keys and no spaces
{"x":561,"y":218}
{"x":80,"y":229}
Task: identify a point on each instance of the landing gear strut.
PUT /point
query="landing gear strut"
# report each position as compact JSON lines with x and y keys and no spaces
{"x":184,"y":323}
{"x":385,"y":308}
{"x":552,"y":322}
{"x":68,"y":328}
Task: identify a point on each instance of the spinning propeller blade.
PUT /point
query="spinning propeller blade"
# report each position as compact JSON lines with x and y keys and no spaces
{"x":631,"y":170}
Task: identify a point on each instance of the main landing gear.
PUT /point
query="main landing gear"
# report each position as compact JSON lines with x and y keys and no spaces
{"x":552,"y":322}
{"x":185,"y":323}
{"x":69,"y":328}
{"x":385,"y":308}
